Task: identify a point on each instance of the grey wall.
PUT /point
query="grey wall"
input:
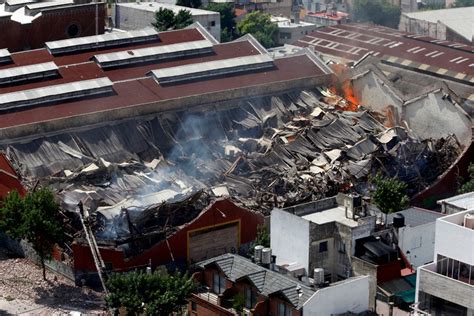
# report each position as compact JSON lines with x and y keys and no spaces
{"x":446,"y":288}
{"x":127,"y":18}
{"x":361,"y":267}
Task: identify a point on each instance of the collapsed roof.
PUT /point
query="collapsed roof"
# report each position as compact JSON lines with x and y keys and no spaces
{"x":268,"y":152}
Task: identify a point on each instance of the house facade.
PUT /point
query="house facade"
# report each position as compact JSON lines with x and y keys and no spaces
{"x":227,"y":279}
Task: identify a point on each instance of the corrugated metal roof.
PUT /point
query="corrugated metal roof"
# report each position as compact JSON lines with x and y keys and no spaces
{"x":354,"y":40}
{"x":212,"y":69}
{"x":41,"y":5}
{"x":98,"y":41}
{"x":141,"y":91}
{"x":24,"y":73}
{"x":153,"y":53}
{"x":4,"y":55}
{"x":17,"y":2}
{"x":54,"y":93}
{"x":34,"y":8}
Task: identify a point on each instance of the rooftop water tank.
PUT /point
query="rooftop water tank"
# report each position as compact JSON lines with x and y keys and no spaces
{"x":266,"y":255}
{"x":258,"y":253}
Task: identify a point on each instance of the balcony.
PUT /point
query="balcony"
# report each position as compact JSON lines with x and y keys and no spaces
{"x":213,"y":302}
{"x":451,"y":287}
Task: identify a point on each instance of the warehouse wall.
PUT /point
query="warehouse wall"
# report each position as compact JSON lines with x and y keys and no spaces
{"x":51,"y":25}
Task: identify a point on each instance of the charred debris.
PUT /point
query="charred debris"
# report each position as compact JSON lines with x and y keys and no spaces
{"x":141,"y":180}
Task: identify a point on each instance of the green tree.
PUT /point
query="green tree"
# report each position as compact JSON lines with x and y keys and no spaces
{"x":260,"y":26}
{"x":377,"y":11}
{"x":263,"y":236}
{"x":189,"y":3}
{"x":238,"y":303}
{"x":262,"y":239}
{"x":463,"y":3}
{"x":389,"y":194}
{"x":11,"y":215}
{"x":166,"y":20}
{"x":183,"y":19}
{"x":227,"y":13}
{"x":35,"y":218}
{"x":469,"y":185}
{"x":159,"y":293}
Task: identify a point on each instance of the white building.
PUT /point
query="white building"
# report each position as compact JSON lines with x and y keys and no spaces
{"x":446,"y":286}
{"x":417,"y":237}
{"x":320,"y":234}
{"x":138,"y":15}
{"x":455,"y":24}
{"x":348,"y":296}
{"x":290,"y":31}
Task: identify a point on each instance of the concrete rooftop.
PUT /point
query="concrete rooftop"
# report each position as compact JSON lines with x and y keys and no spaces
{"x":336,"y":214}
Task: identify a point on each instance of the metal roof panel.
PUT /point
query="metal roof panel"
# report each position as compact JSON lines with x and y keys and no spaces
{"x":212,"y":69}
{"x":23,"y":73}
{"x":105,"y":40}
{"x":153,"y":53}
{"x":54,"y":93}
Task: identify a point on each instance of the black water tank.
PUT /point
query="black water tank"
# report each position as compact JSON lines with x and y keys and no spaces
{"x":398,"y":220}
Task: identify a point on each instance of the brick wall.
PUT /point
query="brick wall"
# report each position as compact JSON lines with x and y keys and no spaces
{"x":200,"y":307}
{"x":51,"y":25}
{"x":177,"y":246}
{"x":273,"y":305}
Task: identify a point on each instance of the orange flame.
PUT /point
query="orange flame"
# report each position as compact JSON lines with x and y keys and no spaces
{"x":348,"y":92}
{"x":344,"y":89}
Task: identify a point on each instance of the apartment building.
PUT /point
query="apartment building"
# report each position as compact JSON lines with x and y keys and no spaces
{"x":446,"y":286}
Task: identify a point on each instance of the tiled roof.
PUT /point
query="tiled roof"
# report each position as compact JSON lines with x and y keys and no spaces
{"x":266,"y":281}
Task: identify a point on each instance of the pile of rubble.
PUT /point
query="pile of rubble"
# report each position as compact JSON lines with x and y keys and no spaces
{"x":264,"y":152}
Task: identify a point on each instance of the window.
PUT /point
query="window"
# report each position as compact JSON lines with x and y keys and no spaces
{"x":218,"y":284}
{"x":341,"y":247}
{"x":73,"y":30}
{"x":323,"y":246}
{"x":284,"y":310}
{"x":213,"y":23}
{"x":250,"y":298}
{"x":193,"y":306}
{"x":109,"y":266}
